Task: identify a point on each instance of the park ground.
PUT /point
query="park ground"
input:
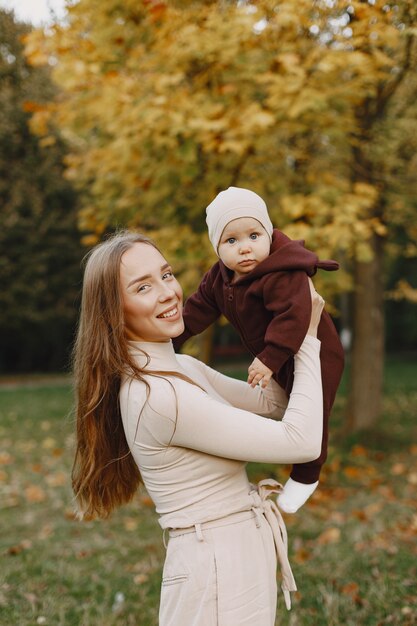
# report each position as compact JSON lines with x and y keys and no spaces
{"x":353,"y":547}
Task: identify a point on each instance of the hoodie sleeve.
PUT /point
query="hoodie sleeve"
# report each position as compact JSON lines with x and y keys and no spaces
{"x":200,"y":310}
{"x":287,"y":296}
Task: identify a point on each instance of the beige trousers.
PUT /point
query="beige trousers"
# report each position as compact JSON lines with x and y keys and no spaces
{"x":222,"y":574}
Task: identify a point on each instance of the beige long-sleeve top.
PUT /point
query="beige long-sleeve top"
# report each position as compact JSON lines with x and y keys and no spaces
{"x":191,"y":442}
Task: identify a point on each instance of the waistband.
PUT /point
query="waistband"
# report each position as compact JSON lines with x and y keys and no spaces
{"x":232,"y":518}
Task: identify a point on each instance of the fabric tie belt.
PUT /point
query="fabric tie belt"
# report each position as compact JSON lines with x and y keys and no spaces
{"x":262,"y":505}
{"x":275,"y":520}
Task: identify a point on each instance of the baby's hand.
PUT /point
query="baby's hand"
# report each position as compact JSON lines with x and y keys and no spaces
{"x":258,"y":373}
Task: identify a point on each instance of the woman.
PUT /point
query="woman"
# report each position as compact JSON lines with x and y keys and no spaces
{"x":145,"y":413}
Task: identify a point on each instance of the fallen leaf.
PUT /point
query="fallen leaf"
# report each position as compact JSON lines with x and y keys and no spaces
{"x":6,"y":458}
{"x":330,"y":535}
{"x":397,"y":469}
{"x":31,"y":598}
{"x":70,"y":514}
{"x":412,"y":478}
{"x":34,"y":493}
{"x":82,"y":554}
{"x":49,"y":443}
{"x":406,"y":610}
{"x":130,"y":523}
{"x":360,"y":515}
{"x":387,"y":493}
{"x":57,"y":480}
{"x":13,"y":550}
{"x":301,"y":556}
{"x":337,"y":517}
{"x":18,"y":548}
{"x":352,"y":472}
{"x":140,"y":578}
{"x":46,"y":531}
{"x":373,"y":508}
{"x":359,"y":451}
{"x":350,"y":589}
{"x":145,"y":500}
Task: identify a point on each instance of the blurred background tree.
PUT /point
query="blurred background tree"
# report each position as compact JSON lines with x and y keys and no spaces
{"x":310,"y":104}
{"x":39,"y":242}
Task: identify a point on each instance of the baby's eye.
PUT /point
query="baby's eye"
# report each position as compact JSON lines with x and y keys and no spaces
{"x":231,"y":240}
{"x":254,"y":236}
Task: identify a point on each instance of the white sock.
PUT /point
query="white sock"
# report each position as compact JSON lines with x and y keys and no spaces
{"x":294,"y":495}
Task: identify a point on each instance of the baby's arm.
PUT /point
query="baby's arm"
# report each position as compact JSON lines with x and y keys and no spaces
{"x":290,"y":316}
{"x":200,"y":310}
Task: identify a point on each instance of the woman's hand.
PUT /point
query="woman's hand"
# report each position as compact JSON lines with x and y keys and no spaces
{"x":317,"y":305}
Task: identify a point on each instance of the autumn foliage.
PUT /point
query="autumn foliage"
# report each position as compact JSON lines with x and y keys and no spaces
{"x":310,"y":104}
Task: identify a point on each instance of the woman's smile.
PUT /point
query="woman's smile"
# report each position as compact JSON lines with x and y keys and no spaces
{"x":170,"y":313}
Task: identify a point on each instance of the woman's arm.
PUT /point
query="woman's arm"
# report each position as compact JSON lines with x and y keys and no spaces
{"x":269,"y":402}
{"x":205,"y":424}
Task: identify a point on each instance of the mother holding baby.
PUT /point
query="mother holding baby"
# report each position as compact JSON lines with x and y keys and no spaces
{"x":146,"y":414}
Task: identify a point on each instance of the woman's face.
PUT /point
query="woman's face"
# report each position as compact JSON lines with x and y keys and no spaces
{"x":152,"y":296}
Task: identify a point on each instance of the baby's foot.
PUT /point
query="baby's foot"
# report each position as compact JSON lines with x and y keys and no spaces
{"x":294,"y":495}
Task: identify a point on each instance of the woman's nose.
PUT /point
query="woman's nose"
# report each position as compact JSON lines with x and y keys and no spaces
{"x":166,"y":292}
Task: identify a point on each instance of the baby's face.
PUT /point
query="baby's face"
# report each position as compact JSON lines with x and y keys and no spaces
{"x":244,"y":243}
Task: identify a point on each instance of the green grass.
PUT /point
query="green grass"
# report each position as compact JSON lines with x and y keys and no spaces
{"x":353,"y":546}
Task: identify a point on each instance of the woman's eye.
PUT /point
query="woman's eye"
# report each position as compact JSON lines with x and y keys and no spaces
{"x":168,"y":275}
{"x":142,"y":288}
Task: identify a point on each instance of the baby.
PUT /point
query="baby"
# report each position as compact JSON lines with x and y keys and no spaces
{"x":260,"y":284}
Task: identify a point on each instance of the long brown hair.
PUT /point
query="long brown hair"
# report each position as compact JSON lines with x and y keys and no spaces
{"x":104,"y":473}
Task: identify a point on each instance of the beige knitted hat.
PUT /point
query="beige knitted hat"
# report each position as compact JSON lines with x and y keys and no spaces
{"x":231,"y":204}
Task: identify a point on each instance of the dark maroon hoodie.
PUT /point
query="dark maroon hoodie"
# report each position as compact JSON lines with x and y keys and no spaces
{"x":270,"y":307}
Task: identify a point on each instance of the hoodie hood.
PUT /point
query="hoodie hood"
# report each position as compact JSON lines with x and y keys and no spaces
{"x":285,"y":255}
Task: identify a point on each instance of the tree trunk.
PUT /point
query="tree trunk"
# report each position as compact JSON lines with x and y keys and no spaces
{"x":367,"y":356}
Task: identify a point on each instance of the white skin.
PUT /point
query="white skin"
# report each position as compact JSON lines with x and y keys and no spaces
{"x":152,"y":296}
{"x":244,"y":243}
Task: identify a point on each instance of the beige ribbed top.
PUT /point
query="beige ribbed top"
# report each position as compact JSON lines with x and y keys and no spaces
{"x":191,"y":444}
